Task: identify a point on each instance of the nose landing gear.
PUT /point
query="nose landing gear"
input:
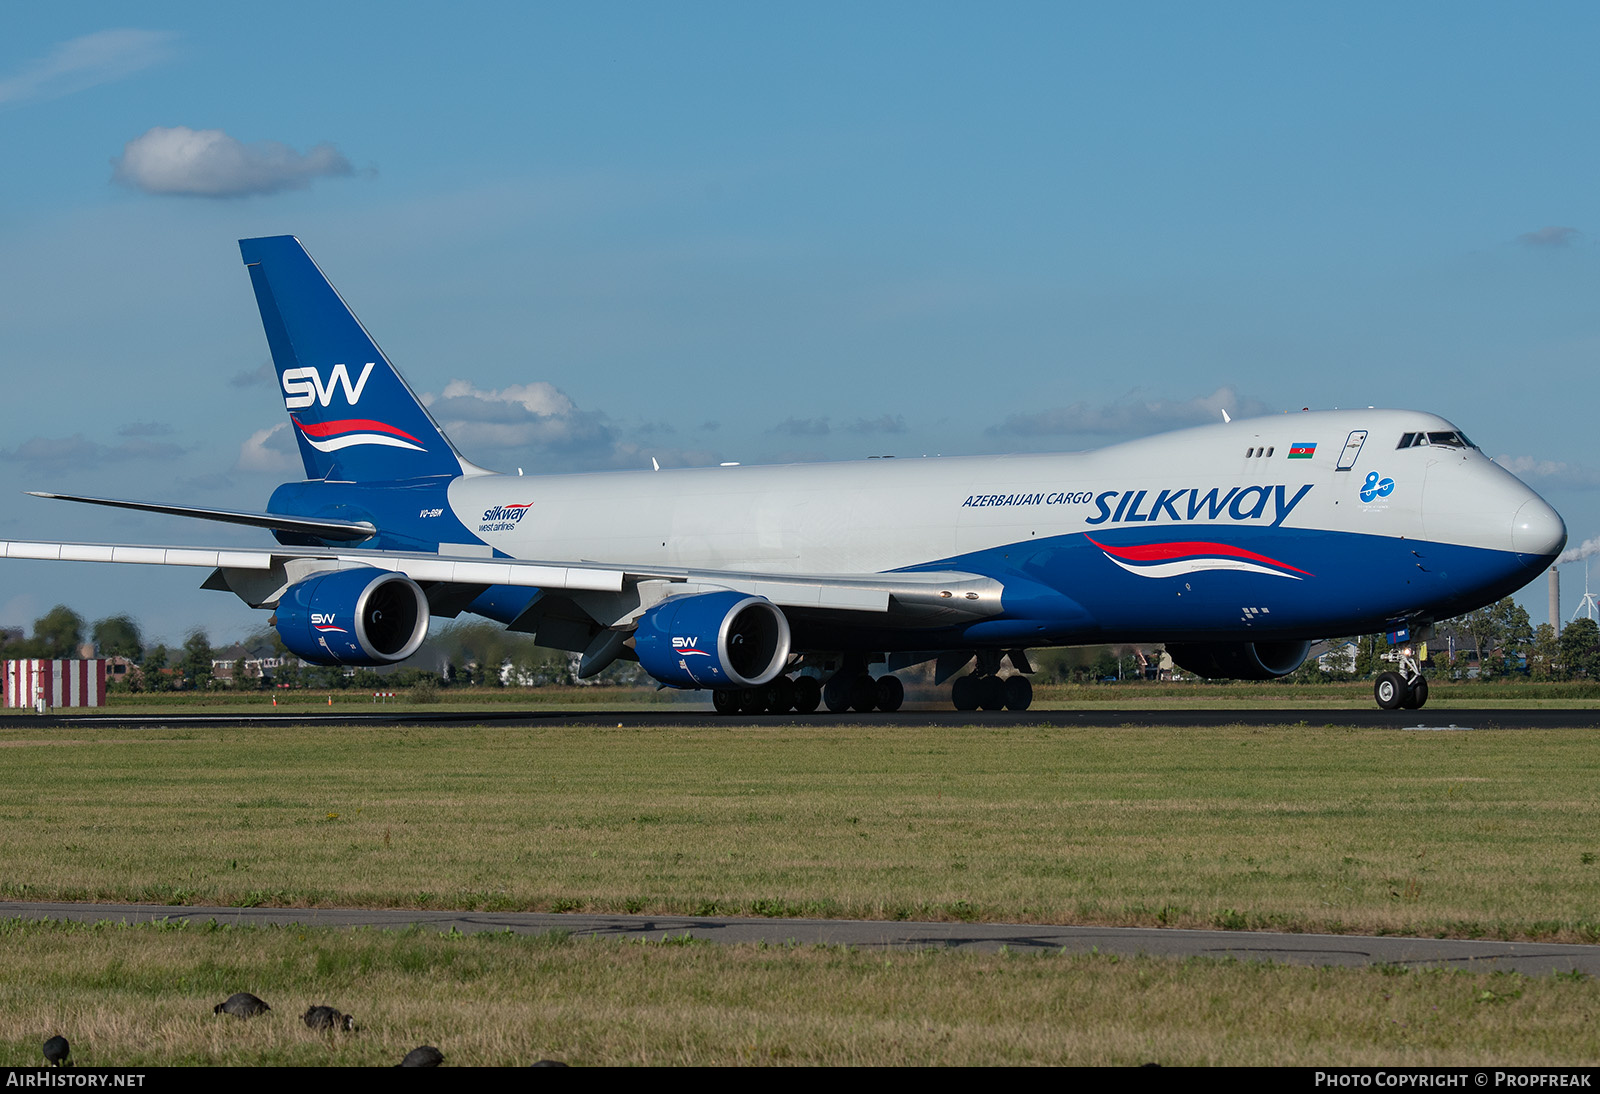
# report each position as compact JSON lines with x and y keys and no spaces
{"x":1407,"y":688}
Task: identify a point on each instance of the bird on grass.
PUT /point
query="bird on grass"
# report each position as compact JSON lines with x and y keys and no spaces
{"x":56,"y":1051}
{"x":422,"y":1056}
{"x":320,"y":1017}
{"x":241,"y":1004}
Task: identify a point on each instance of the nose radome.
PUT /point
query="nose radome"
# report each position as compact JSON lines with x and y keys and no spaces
{"x":1538,"y":529}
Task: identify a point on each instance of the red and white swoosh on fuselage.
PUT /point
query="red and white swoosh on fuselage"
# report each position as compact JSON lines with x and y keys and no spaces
{"x":332,"y":436}
{"x":1192,"y":557}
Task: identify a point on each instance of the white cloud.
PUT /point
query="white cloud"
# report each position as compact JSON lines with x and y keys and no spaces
{"x":537,"y":426}
{"x":540,"y":399}
{"x":59,"y":454}
{"x":888,"y":423}
{"x":86,"y":62}
{"x":1552,"y":236}
{"x":1130,"y":416}
{"x":803,"y":427}
{"x":263,"y":373}
{"x":209,"y":163}
{"x":269,"y":450}
{"x":1530,"y":469}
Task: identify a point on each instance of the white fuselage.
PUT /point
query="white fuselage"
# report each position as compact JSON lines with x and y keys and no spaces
{"x":884,"y":514}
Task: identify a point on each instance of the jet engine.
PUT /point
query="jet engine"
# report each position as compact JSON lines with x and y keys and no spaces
{"x":359,"y":616}
{"x":713,"y":640}
{"x":1239,"y":660}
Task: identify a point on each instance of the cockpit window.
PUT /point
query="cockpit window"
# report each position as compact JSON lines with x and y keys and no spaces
{"x":1446,"y":439}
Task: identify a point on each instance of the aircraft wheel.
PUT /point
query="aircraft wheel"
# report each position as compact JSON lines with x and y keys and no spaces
{"x":753,"y":701}
{"x":1019,"y":693}
{"x":780,"y":695}
{"x":964,"y":693}
{"x":863,"y":693}
{"x":836,"y":693}
{"x":807,"y":694}
{"x":991,"y":693}
{"x":1417,"y":694}
{"x":891,"y":693}
{"x":1390,"y":690}
{"x":725,"y":701}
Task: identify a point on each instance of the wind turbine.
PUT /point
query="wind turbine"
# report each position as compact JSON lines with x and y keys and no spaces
{"x":1587,"y":606}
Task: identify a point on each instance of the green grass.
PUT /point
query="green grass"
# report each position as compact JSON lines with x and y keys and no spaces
{"x":1481,"y":834}
{"x":133,"y":996}
{"x":1224,"y":695}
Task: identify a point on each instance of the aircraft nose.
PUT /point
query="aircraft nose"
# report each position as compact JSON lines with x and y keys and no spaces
{"x":1537,"y":529}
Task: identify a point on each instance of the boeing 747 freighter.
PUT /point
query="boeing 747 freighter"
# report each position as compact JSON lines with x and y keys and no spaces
{"x":775,"y":588}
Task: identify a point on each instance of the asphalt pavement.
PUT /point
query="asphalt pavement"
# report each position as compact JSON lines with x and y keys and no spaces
{"x":1351,"y":951}
{"x":677,"y":716}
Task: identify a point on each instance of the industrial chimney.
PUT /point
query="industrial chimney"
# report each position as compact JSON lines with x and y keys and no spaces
{"x":1555,"y":601}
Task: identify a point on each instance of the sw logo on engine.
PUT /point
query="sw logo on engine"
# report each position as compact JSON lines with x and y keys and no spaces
{"x":324,"y":622}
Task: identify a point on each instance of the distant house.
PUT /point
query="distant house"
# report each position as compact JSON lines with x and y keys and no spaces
{"x":255,"y":667}
{"x":1340,"y":658}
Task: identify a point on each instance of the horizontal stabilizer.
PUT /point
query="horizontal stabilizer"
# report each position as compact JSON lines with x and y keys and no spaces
{"x":343,"y":530}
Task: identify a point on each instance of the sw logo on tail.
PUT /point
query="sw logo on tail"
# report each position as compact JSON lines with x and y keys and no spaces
{"x":304,"y":386}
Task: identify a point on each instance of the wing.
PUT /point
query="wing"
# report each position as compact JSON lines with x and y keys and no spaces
{"x":612,"y":595}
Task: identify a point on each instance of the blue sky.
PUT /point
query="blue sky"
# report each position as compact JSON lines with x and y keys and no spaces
{"x":705,"y":232}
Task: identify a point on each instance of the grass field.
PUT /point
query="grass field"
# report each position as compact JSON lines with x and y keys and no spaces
{"x":144,"y":996}
{"x":1326,"y":828}
{"x":1133,"y":694}
{"x":1304,"y":828}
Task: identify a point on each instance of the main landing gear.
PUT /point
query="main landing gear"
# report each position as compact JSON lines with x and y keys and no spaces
{"x":801,"y":694}
{"x":1407,"y":688}
{"x":985,"y":692}
{"x":851,"y":687}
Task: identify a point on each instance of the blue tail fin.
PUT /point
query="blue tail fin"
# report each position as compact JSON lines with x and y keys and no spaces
{"x":353,"y":415}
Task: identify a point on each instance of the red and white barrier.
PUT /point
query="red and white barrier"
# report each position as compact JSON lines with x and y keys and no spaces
{"x":58,"y":683}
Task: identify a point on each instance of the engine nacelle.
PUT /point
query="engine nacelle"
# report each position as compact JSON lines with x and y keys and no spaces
{"x":1240,"y":660}
{"x":713,"y":640}
{"x":360,"y":616}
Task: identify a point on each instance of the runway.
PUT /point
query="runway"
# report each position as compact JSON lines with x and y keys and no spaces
{"x":676,"y":716}
{"x":1347,"y":951}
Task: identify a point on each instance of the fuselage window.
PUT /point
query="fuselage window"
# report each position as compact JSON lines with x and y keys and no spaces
{"x":1269,"y":450}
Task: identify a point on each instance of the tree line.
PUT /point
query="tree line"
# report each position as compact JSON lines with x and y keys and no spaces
{"x":1491,"y":643}
{"x":470,"y":653}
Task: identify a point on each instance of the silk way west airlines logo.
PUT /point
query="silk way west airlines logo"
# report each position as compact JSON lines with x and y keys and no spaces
{"x":688,"y":647}
{"x":1177,"y":559}
{"x":324,"y":623}
{"x":303,"y":387}
{"x":504,"y":518}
